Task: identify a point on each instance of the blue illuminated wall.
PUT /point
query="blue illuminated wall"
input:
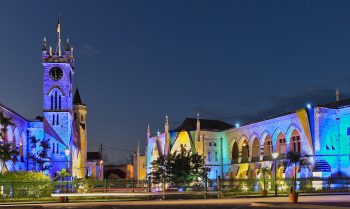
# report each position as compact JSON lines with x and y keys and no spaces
{"x":324,"y":135}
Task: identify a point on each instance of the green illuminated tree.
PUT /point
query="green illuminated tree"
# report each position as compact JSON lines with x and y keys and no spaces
{"x":180,"y":168}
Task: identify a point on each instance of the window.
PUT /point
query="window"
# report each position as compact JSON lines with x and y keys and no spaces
{"x":53,"y":148}
{"x":51,"y":102}
{"x":296,"y":143}
{"x":209,"y":158}
{"x":216,"y":156}
{"x":75,"y":116}
{"x":214,"y":144}
{"x":21,"y":148}
{"x":53,"y":120}
{"x":57,"y":120}
{"x":59,"y":102}
{"x":57,"y":148}
{"x":55,"y":100}
{"x":81,"y":118}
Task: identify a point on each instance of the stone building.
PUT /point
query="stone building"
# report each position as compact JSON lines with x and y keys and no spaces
{"x":63,"y":124}
{"x":321,"y":132}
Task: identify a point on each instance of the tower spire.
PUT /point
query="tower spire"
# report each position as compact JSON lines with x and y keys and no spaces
{"x":58,"y":49}
{"x":337,"y":95}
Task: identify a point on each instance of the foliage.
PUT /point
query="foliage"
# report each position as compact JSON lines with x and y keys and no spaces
{"x":179,"y":168}
{"x":29,"y":184}
{"x":4,"y":121}
{"x":6,"y":154}
{"x":295,"y":160}
{"x":265,"y":171}
{"x":40,"y":156}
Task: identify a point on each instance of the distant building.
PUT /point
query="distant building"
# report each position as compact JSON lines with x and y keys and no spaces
{"x":321,"y":132}
{"x":139,"y":165}
{"x":63,"y":123}
{"x":94,"y":165}
{"x":121,"y":171}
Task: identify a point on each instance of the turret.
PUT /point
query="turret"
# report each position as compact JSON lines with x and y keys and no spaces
{"x":337,"y":95}
{"x":198,"y":140}
{"x":167,"y":136}
{"x":80,"y":136}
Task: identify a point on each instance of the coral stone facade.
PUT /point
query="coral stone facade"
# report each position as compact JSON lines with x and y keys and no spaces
{"x":321,"y":132}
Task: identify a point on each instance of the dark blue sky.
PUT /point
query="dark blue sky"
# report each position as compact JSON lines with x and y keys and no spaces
{"x":138,"y":60}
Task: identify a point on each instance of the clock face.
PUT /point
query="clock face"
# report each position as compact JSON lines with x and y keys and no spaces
{"x":56,"y":73}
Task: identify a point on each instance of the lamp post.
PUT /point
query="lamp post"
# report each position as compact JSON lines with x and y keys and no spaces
{"x":274,"y":156}
{"x":100,"y":174}
{"x":67,"y":152}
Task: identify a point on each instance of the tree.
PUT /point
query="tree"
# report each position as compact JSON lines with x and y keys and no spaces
{"x":6,"y":151}
{"x":295,"y":160}
{"x":179,"y":168}
{"x":265,"y":171}
{"x":40,"y":156}
{"x":4,"y":122}
{"x":6,"y":154}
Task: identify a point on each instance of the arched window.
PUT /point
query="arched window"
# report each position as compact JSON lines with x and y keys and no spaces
{"x":235,"y":152}
{"x":57,"y":120}
{"x":53,"y":120}
{"x":21,"y":147}
{"x":245,"y":151}
{"x":56,"y":99}
{"x":51,"y":102}
{"x":59,"y":102}
{"x":81,"y":118}
{"x":268,"y":148}
{"x":295,"y":141}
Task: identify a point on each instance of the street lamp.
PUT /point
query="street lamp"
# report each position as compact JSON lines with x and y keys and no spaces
{"x":274,"y":156}
{"x":101,"y":162}
{"x":67,"y":152}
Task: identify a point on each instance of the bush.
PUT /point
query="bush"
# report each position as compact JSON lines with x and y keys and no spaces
{"x":25,"y":184}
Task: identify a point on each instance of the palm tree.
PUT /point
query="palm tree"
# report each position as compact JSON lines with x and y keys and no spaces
{"x":6,"y":151}
{"x":6,"y":154}
{"x":296,"y":160}
{"x":265,"y":171}
{"x":4,"y":122}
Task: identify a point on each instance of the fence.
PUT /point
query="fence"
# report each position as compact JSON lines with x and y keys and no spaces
{"x":232,"y":186}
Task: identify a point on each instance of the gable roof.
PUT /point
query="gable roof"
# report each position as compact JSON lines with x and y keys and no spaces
{"x":190,"y":124}
{"x":338,"y":104}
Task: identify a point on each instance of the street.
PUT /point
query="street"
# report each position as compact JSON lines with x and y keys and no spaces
{"x":319,"y":202}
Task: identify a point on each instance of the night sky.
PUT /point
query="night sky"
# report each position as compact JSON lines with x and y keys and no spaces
{"x":236,"y":61}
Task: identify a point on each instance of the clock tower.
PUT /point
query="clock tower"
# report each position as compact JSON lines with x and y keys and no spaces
{"x":58,"y":102}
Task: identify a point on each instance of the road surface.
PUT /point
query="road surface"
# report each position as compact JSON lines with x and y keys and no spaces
{"x":316,"y":202}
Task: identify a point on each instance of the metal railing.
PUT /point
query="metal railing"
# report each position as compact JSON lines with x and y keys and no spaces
{"x":232,"y":186}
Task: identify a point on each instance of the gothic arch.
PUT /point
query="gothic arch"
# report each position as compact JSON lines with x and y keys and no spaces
{"x":275,"y":135}
{"x":16,"y":137}
{"x":241,"y":140}
{"x":24,"y":142}
{"x":252,"y":138}
{"x":234,"y":152}
{"x":55,"y":87}
{"x":9,"y":135}
{"x":263,"y":136}
{"x":290,"y":130}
